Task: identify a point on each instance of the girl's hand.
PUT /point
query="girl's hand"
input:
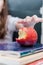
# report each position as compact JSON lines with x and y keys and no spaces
{"x":25,"y":22}
{"x":36,"y":19}
{"x":31,"y":21}
{"x":28,"y":20}
{"x":19,"y":24}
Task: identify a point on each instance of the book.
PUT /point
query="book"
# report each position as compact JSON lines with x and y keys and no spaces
{"x":19,"y":51}
{"x":11,"y":60}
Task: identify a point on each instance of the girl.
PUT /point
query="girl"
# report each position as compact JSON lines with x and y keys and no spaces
{"x":9,"y":24}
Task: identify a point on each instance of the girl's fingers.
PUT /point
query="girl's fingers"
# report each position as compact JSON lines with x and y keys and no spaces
{"x":36,"y":19}
{"x":28,"y":19}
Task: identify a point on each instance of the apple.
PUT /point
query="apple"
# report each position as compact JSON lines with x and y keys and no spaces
{"x":27,"y":36}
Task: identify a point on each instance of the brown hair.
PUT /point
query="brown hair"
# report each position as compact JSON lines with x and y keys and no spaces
{"x":3,"y":17}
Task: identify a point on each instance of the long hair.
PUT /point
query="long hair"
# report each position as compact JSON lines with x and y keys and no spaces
{"x":3,"y":18}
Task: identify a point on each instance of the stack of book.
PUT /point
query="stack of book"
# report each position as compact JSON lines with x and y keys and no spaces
{"x":14,"y":54}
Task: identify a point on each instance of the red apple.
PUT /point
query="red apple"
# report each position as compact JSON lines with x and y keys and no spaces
{"x":27,"y":36}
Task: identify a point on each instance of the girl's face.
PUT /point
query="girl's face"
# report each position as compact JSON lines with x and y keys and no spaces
{"x":1,"y":5}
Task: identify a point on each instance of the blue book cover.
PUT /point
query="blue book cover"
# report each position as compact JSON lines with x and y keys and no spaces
{"x":20,"y":51}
